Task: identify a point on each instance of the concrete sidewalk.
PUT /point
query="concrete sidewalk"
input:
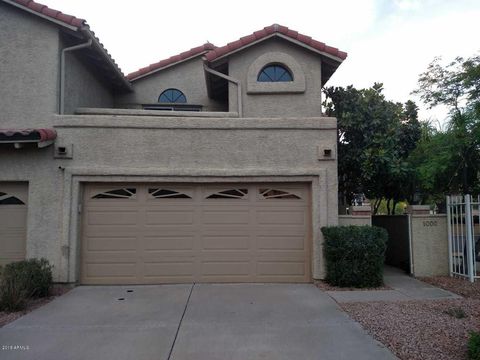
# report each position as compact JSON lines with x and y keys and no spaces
{"x":197,"y":322}
{"x":404,"y":287}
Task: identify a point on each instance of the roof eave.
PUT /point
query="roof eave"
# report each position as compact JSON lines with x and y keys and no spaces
{"x":36,"y":13}
{"x":125,"y":82}
{"x":168,"y":66}
{"x":336,"y":58}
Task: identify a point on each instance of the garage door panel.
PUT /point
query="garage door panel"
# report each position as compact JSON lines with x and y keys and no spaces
{"x":225,"y":268}
{"x":225,"y":216}
{"x":225,"y":242}
{"x":169,"y":217}
{"x":237,"y":235}
{"x":13,"y":221}
{"x":168,"y":242}
{"x":111,"y":257}
{"x":112,"y":217}
{"x":281,"y":242}
{"x":160,"y":256}
{"x":281,"y":218}
{"x":111,"y":270}
{"x":96,"y":243}
{"x":278,"y":268}
{"x":169,"y":269}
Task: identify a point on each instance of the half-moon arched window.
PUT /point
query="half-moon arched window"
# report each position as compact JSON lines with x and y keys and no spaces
{"x":172,"y":96}
{"x":274,"y":73}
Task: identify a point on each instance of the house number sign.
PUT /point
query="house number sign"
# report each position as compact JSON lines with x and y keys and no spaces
{"x":430,"y":223}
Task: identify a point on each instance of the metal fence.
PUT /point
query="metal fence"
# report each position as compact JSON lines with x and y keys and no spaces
{"x":464,"y":236}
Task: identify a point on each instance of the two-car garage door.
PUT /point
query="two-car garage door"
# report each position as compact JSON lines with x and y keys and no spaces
{"x":166,"y":233}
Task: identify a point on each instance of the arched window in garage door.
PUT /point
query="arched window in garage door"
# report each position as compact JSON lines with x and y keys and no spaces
{"x":123,"y":193}
{"x":229,"y":194}
{"x":159,"y":193}
{"x":7,"y":199}
{"x":266,"y":193}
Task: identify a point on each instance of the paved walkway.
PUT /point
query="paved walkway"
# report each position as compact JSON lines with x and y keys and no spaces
{"x":404,"y":288}
{"x":191,"y":322}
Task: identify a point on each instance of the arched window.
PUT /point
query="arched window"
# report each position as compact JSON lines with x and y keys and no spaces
{"x":172,"y":96}
{"x":274,"y":73}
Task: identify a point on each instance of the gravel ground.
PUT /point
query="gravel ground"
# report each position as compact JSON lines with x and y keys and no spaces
{"x":323,"y":285}
{"x":8,"y":317}
{"x":456,"y":285}
{"x":426,"y":330}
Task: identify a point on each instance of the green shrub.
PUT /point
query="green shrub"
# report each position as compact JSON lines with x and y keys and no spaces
{"x":13,"y":295}
{"x":474,"y":346}
{"x":456,"y":312}
{"x":22,"y":280}
{"x":354,"y":255}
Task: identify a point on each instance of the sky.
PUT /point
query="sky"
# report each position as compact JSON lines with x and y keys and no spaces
{"x":388,"y":41}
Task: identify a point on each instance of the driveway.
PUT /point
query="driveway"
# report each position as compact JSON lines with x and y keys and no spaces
{"x":202,"y":321}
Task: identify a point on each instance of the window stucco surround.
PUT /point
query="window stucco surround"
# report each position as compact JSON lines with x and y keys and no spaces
{"x":256,"y":87}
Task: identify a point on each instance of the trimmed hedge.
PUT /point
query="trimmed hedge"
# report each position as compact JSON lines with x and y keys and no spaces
{"x":354,"y":255}
{"x":23,"y":280}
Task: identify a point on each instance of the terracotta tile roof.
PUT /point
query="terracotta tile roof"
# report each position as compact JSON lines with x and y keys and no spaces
{"x":268,"y":31}
{"x":51,"y":13}
{"x":199,"y":50}
{"x":7,"y":135}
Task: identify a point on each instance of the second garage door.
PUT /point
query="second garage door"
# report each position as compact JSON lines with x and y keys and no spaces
{"x":152,"y":234}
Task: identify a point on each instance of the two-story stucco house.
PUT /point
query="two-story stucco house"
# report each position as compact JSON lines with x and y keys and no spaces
{"x":215,"y":165}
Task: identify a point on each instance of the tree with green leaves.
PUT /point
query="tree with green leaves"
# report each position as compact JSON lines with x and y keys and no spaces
{"x":375,"y":138}
{"x":449,"y":161}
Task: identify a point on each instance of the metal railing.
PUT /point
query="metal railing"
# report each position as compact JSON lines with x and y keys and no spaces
{"x":464,"y":236}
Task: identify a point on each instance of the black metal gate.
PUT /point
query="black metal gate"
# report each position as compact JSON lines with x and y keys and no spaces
{"x":398,"y":246}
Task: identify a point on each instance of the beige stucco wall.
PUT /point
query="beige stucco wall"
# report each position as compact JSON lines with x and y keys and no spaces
{"x":344,"y":220}
{"x":294,"y":104}
{"x":188,"y":77}
{"x":82,"y":87}
{"x":29,"y":55}
{"x":108,"y":148}
{"x":130,"y":149}
{"x":429,"y":239}
{"x":45,"y":196}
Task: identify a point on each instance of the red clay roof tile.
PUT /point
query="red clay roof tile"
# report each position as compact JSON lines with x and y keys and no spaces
{"x":196,"y":51}
{"x":54,"y":14}
{"x":269,"y":30}
{"x":36,"y":134}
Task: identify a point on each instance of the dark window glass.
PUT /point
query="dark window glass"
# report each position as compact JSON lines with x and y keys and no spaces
{"x":164,"y":193}
{"x":229,"y":194}
{"x":12,"y":200}
{"x":116,"y":194}
{"x":277,"y":194}
{"x":172,"y":96}
{"x":274,"y":73}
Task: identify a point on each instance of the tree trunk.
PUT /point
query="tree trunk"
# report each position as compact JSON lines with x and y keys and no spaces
{"x":394,"y":206}
{"x":376,"y":206}
{"x":388,"y":207}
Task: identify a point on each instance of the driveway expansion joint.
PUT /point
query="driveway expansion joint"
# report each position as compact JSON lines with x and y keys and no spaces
{"x":180,"y":322}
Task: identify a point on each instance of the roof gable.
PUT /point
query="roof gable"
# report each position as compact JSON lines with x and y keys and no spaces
{"x":332,"y":56}
{"x":276,"y":30}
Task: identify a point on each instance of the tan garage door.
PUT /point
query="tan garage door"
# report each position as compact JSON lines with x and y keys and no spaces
{"x":13,"y":221}
{"x":160,"y":233}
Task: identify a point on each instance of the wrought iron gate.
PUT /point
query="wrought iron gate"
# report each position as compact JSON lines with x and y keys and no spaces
{"x":464,"y":236}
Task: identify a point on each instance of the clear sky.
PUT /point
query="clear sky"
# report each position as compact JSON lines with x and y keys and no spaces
{"x":389,"y":41}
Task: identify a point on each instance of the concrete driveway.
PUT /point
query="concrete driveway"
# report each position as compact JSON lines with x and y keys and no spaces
{"x":202,"y":321}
